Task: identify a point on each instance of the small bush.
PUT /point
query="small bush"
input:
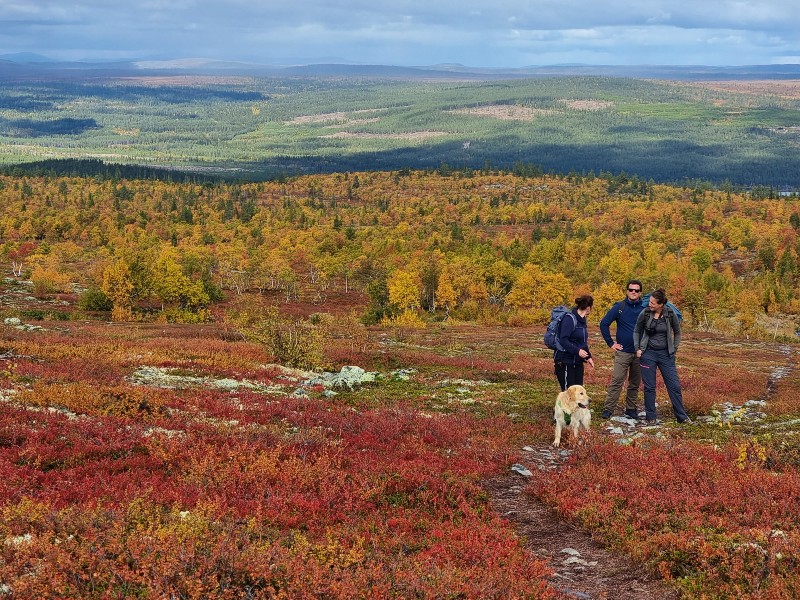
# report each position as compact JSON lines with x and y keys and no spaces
{"x":31,"y":315}
{"x":408,"y":318}
{"x":59,"y":315}
{"x":95,"y":299}
{"x":48,"y":281}
{"x":468,"y":311}
{"x":521,"y":318}
{"x":293,"y":342}
{"x":374,"y":315}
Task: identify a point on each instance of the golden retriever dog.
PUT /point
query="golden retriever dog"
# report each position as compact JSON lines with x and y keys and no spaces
{"x":572,"y":410}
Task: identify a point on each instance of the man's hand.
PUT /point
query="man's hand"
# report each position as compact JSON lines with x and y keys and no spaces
{"x":616,"y":346}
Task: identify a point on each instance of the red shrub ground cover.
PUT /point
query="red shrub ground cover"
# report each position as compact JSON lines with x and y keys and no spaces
{"x":714,"y":525}
{"x":109,"y":490}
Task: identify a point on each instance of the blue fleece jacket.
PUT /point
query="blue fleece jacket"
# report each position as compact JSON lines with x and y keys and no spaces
{"x":625,"y":314}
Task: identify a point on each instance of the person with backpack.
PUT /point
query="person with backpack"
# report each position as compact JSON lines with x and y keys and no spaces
{"x":572,"y":347}
{"x":656,"y":337}
{"x":626,"y":364}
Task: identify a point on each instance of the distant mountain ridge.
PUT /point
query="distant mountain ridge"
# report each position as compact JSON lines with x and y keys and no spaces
{"x":26,"y":57}
{"x":28,"y":64}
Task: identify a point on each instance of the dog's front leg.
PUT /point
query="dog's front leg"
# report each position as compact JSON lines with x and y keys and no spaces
{"x":557,"y":441}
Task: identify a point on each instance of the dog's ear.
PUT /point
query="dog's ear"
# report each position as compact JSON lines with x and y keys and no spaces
{"x":574,"y":393}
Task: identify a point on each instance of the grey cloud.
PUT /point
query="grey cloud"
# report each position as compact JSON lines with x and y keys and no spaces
{"x":503,"y":33}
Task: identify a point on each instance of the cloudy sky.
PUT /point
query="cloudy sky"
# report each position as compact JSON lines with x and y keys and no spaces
{"x":498,"y":33}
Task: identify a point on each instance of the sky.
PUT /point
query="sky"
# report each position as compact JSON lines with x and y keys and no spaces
{"x":498,"y":33}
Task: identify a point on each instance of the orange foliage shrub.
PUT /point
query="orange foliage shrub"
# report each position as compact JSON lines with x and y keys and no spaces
{"x":98,"y":400}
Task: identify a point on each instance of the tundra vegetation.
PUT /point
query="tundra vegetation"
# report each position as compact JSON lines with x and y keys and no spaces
{"x":158,"y":438}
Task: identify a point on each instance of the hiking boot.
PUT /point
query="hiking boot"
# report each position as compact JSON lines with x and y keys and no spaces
{"x":632,"y":414}
{"x":686,"y":421}
{"x":606,"y":414}
{"x":653,"y":422}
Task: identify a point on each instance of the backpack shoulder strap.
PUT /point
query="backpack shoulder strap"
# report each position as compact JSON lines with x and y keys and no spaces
{"x":574,"y":321}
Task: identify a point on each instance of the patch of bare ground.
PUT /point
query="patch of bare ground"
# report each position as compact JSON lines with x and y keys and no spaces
{"x":361,"y":121}
{"x":334,"y":117}
{"x":410,"y":135}
{"x":504,"y":112}
{"x":588,"y":104}
{"x":320,"y":118}
{"x":582,"y":567}
{"x":185,"y":80}
{"x":784,"y":88}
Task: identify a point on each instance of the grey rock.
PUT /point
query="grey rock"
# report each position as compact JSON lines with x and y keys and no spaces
{"x":349,"y":378}
{"x":402,"y":374}
{"x":521,"y":470}
{"x":574,"y":560}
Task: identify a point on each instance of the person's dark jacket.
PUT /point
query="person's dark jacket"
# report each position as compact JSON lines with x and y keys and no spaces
{"x":625,"y":314}
{"x":572,"y":335}
{"x":645,"y":322}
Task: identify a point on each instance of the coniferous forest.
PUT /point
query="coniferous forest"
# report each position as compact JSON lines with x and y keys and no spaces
{"x":246,"y":127}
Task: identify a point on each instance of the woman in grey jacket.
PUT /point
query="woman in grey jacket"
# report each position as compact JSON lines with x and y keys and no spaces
{"x":656,"y":337}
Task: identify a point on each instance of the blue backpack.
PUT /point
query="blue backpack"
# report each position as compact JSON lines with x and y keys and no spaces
{"x":551,"y":334}
{"x":678,"y":313}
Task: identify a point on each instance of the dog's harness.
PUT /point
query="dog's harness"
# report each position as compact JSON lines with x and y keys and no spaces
{"x":568,"y":416}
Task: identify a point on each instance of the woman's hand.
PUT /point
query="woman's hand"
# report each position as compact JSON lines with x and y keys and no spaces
{"x":638,"y":354}
{"x":583,"y":353}
{"x":590,"y":362}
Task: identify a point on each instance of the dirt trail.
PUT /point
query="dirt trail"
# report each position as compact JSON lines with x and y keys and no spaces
{"x":583,"y":568}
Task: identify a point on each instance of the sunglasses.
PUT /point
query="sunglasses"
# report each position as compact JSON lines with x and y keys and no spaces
{"x":634,"y":290}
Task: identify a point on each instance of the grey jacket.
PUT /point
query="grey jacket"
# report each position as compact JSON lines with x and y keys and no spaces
{"x":641,"y":338}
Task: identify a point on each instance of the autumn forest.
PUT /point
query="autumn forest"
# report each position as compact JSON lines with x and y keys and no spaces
{"x":464,"y":246}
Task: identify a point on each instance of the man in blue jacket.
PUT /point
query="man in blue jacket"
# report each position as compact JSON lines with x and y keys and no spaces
{"x":626,"y":364}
